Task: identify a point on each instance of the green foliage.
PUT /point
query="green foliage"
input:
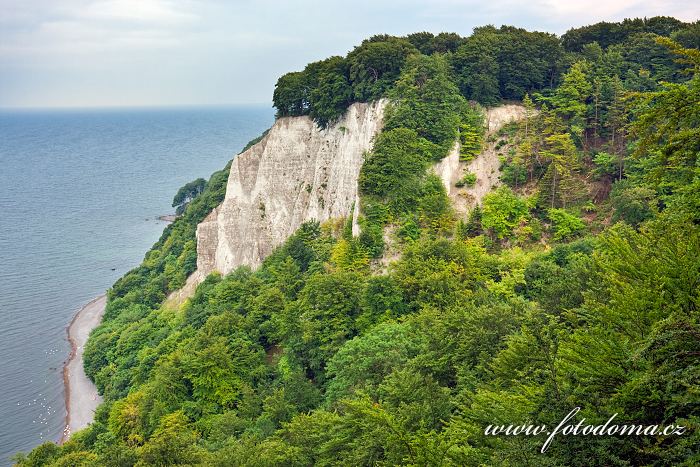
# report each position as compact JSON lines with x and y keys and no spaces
{"x":173,"y":443}
{"x":565,"y":225}
{"x":321,"y":91}
{"x":473,"y":226}
{"x":421,"y":127}
{"x":363,"y":363}
{"x":571,"y":96}
{"x":395,"y":167}
{"x":471,"y":133}
{"x":632,"y":204}
{"x":376,"y":64}
{"x":606,"y":34}
{"x":350,"y":255}
{"x":606,"y":164}
{"x":325,"y":356}
{"x":291,"y":97}
{"x":435,"y":211}
{"x":427,"y":101}
{"x":559,"y":187}
{"x":502,"y":212}
{"x":187,"y":193}
{"x":439,"y":272}
{"x":667,"y":131}
{"x":478,"y":68}
{"x":513,"y":174}
{"x":469,"y":179}
{"x":506,"y":63}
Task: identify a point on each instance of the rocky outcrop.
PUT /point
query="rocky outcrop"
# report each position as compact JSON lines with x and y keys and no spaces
{"x":296,"y":173}
{"x":486,"y":165}
{"x":299,"y":172}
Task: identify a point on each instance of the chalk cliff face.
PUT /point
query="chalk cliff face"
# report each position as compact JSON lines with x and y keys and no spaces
{"x":486,"y":166}
{"x":296,"y":173}
{"x":299,"y":172}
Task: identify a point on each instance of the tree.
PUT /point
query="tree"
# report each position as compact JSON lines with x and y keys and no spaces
{"x":632,"y":204}
{"x":187,"y":193}
{"x":426,"y":100}
{"x":617,"y":121}
{"x":643,"y":51}
{"x":476,"y":64}
{"x":330,"y":91}
{"x":376,"y":64}
{"x":327,"y":308}
{"x":471,"y":133}
{"x":558,"y":185}
{"x":291,"y":95}
{"x":607,"y":34}
{"x":666,"y":132}
{"x":173,"y":443}
{"x":445,"y":42}
{"x":421,"y":41}
{"x":438,"y":272}
{"x":506,"y":63}
{"x":570,"y":97}
{"x":363,"y":362}
{"x":502,"y":211}
{"x":395,"y":167}
{"x":566,"y":225}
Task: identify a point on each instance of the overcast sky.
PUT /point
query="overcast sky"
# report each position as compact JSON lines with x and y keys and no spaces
{"x":76,"y":53}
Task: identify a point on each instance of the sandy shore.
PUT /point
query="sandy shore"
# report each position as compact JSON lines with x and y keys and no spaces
{"x":81,"y":395}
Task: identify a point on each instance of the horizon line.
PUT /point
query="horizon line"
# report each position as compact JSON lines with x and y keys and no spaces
{"x":130,"y":107}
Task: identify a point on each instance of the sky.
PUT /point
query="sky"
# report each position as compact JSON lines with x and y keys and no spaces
{"x":96,"y":53}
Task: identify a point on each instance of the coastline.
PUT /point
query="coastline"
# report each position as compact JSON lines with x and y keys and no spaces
{"x":168,"y":218}
{"x":81,"y":396}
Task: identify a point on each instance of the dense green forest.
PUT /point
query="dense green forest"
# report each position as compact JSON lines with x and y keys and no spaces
{"x":575,"y":284}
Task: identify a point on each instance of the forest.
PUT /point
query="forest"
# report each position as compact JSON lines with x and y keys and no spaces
{"x":576,"y":283}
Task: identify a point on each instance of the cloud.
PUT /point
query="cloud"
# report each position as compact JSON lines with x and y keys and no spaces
{"x":614,"y":10}
{"x":79,"y":27}
{"x":151,"y":52}
{"x":138,"y":11}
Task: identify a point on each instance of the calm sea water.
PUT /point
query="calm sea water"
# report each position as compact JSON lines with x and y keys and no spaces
{"x":80,"y":193}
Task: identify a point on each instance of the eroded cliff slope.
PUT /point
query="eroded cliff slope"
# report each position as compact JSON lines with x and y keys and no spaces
{"x":299,"y":172}
{"x":296,"y":173}
{"x":486,"y":166}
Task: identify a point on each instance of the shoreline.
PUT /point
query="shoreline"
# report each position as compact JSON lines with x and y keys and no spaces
{"x":169,"y":218}
{"x":80,"y":405}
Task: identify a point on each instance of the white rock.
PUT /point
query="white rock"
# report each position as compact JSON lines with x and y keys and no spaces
{"x":296,"y":173}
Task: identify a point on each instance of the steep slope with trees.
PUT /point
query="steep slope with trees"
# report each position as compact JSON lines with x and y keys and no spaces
{"x":574,"y":284}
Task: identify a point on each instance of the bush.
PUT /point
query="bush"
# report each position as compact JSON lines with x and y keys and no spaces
{"x":564,"y":224}
{"x":632,"y":204}
{"x":469,"y":179}
{"x":513,"y":174}
{"x":503,"y":210}
{"x":606,"y":164}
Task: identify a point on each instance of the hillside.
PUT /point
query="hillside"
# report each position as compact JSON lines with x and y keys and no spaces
{"x":439,"y":234}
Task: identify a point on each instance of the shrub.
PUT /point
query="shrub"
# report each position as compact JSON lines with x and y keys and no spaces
{"x":632,"y":204}
{"x":513,"y":174}
{"x":503,"y":210}
{"x":565,"y":224}
{"x":469,"y":179}
{"x":606,"y":164}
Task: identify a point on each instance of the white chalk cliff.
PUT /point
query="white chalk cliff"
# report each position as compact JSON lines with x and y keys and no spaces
{"x":296,"y":173}
{"x":486,"y":166}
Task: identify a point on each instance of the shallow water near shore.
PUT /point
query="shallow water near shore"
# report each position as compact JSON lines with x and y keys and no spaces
{"x":80,"y":196}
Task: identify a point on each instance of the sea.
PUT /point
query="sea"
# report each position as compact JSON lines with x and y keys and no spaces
{"x":81,"y":191}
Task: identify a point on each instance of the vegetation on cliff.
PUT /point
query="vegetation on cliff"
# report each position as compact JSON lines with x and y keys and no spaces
{"x":575,"y":284}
